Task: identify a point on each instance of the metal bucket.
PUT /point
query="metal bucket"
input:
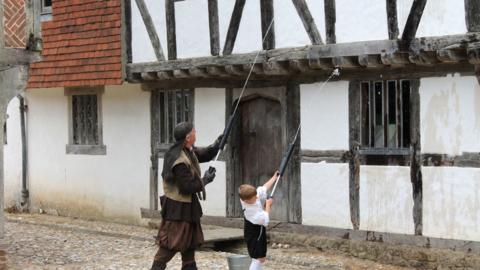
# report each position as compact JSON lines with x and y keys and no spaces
{"x":238,"y":262}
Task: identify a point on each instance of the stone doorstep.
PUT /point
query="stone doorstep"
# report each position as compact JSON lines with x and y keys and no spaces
{"x":399,"y":255}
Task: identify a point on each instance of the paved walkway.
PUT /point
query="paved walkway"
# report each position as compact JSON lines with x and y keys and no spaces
{"x":51,"y":242}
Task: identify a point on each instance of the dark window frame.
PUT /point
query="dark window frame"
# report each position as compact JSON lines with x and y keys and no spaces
{"x":163,"y":101}
{"x":86,"y":146}
{"x":46,"y":9}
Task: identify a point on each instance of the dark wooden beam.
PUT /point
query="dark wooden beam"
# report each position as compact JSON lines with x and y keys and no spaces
{"x":370,"y":61}
{"x":126,"y":36}
{"x":354,"y":157}
{"x":2,"y":29}
{"x":413,"y":21}
{"x":393,"y":31}
{"x":472,"y":15}
{"x":453,"y":54}
{"x":308,"y":22}
{"x":465,"y":160}
{"x":267,"y":14}
{"x":233,"y":27}
{"x":171,"y":29}
{"x":330,"y":20}
{"x":213,"y":26}
{"x":423,"y":58}
{"x":152,"y":32}
{"x":415,"y":157}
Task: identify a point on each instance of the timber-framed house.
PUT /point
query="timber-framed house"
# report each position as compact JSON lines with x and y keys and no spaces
{"x":389,"y":147}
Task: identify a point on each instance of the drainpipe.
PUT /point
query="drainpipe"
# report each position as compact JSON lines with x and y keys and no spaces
{"x":25,"y":195}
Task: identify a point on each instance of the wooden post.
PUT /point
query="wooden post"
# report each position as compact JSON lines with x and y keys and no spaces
{"x":330,"y":20}
{"x":171,"y":30}
{"x":413,"y":20}
{"x":154,"y":138}
{"x":126,"y":36}
{"x":152,"y":32}
{"x":266,"y":9}
{"x":213,"y":26}
{"x":354,"y":161}
{"x":392,"y":19}
{"x":2,"y":29}
{"x":308,"y":22}
{"x":416,"y":157}
{"x":233,"y":27}
{"x":472,"y":15}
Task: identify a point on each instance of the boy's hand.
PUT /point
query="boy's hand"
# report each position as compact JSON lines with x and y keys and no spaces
{"x":276,"y":174}
{"x":269,"y":202}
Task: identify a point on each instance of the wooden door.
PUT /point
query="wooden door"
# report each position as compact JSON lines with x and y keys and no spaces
{"x":260,"y":148}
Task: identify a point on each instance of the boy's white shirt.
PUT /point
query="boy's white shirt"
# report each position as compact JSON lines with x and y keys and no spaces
{"x":254,"y":212}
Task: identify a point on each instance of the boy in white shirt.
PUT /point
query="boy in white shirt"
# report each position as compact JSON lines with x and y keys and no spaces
{"x":256,"y":220}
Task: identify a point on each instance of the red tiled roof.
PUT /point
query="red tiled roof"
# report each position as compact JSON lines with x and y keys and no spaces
{"x":81,"y":45}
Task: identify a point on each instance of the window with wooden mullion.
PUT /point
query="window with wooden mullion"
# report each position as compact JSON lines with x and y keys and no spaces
{"x":385,"y":114}
{"x":174,"y":106}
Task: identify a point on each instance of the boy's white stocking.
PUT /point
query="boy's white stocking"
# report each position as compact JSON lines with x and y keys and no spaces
{"x":255,"y":265}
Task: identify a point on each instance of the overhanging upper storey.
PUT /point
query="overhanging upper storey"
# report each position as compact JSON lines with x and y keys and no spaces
{"x":290,"y":46}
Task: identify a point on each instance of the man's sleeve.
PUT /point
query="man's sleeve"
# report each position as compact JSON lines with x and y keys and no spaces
{"x":185,"y":180}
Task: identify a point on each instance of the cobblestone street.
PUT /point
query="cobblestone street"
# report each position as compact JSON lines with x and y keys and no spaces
{"x":51,"y":242}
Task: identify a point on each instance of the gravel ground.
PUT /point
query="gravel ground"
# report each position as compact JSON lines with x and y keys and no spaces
{"x":51,"y":242}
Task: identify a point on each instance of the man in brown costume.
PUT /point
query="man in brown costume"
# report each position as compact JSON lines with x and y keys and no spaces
{"x":180,"y":229}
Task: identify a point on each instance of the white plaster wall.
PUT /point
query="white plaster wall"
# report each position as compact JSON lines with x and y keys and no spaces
{"x":12,"y":152}
{"x":112,"y":186}
{"x":451,"y":203}
{"x":386,"y":201}
{"x":440,"y":17}
{"x":209,"y":115}
{"x":450,"y":115}
{"x":325,"y":195}
{"x":356,"y":21}
{"x":324,"y":116}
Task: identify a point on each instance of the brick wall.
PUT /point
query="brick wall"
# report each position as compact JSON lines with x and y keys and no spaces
{"x":15,"y":22}
{"x":81,"y":45}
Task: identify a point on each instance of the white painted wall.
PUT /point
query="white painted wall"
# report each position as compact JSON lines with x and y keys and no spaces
{"x":451,"y":203}
{"x":356,"y":21}
{"x":324,"y":116}
{"x":209,"y":114}
{"x":112,"y":186}
{"x":13,"y":156}
{"x":450,"y":115}
{"x":386,"y":200}
{"x":440,"y":17}
{"x":325,"y":195}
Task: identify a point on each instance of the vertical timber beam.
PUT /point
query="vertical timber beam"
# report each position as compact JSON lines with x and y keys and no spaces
{"x":126,"y":35}
{"x":292,"y":101}
{"x":267,"y":14}
{"x":233,"y":27}
{"x":354,"y":145}
{"x":152,"y":32}
{"x":415,"y":158}
{"x":330,"y":20}
{"x":155,"y":135}
{"x":472,"y":15}
{"x":171,"y":29}
{"x":230,"y":162}
{"x":308,"y":22}
{"x":413,"y":21}
{"x":32,"y":17}
{"x":393,"y":31}
{"x":2,"y":29}
{"x":213,"y":27}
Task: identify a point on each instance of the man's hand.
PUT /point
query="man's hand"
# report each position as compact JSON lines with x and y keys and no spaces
{"x":216,"y":144}
{"x":209,"y":175}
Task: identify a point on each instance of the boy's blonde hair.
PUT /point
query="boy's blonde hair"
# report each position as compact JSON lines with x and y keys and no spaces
{"x":247,"y":192}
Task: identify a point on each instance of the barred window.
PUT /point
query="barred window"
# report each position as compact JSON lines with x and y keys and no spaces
{"x":46,"y":6}
{"x":85,"y":121}
{"x":169,"y":108}
{"x":385,"y":114}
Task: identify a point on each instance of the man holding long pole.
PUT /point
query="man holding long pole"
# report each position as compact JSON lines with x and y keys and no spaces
{"x":180,"y":229}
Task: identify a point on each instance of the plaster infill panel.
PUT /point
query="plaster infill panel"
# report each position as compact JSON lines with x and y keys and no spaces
{"x":386,"y":199}
{"x":324,"y":116}
{"x":451,"y":203}
{"x":450,"y":115}
{"x":209,"y":115}
{"x":325,"y":195}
